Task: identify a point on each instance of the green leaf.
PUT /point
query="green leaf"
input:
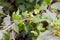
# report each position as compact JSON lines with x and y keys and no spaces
{"x":48,"y":2}
{"x":58,"y":0}
{"x":36,"y":6}
{"x":25,"y":14}
{"x":40,"y":27}
{"x":16,"y":17}
{"x":26,"y":28}
{"x":1,"y":2}
{"x":21,"y":7}
{"x":40,"y":1}
{"x":57,"y":22}
{"x":31,"y":1}
{"x":17,"y":12}
{"x":36,"y":11}
{"x":35,"y":33}
{"x":2,"y":14}
{"x":21,"y":26}
{"x":43,"y":6}
{"x":16,"y":29}
{"x":7,"y":36}
{"x":38,"y":19}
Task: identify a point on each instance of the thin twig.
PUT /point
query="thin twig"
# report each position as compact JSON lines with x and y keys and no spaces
{"x":12,"y":35}
{"x":8,"y":27}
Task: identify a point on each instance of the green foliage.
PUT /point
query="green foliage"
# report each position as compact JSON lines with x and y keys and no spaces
{"x":48,"y":2}
{"x":26,"y":28}
{"x":58,"y":0}
{"x":36,"y":19}
{"x":7,"y":36}
{"x":16,"y":29}
{"x":57,"y":22}
{"x":40,"y":27}
{"x":16,"y":17}
{"x":2,"y":14}
{"x":21,"y":7}
{"x":29,"y":16}
{"x":31,"y":1}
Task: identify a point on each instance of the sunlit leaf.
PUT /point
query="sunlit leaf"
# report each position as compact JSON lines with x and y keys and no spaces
{"x":36,"y":11}
{"x":48,"y":1}
{"x":16,"y":17}
{"x":40,"y":27}
{"x":57,"y":22}
{"x":35,"y":33}
{"x":36,"y":19}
